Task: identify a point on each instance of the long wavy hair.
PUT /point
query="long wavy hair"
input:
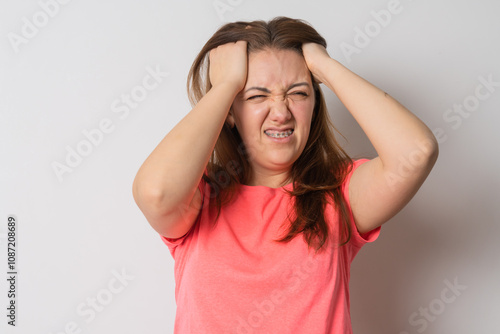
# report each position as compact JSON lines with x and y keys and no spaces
{"x":321,"y":168}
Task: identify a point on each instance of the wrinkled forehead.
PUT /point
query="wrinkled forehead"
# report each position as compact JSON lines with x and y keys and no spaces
{"x":276,"y":69}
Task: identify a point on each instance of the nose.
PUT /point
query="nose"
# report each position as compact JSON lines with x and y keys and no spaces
{"x":279,"y":111}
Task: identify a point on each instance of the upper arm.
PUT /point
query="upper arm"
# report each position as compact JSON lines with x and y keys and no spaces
{"x":174,"y":223}
{"x":377,"y":194}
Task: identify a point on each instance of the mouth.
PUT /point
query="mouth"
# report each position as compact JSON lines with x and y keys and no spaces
{"x":279,"y":134}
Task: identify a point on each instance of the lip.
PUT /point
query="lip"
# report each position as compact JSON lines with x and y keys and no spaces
{"x":280,"y":140}
{"x":279,"y":129}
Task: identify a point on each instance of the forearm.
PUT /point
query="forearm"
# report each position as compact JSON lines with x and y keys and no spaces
{"x":392,"y":129}
{"x":171,"y":173}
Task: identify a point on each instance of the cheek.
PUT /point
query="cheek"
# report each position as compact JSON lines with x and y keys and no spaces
{"x":303,"y":112}
{"x":251,"y":114}
{"x":248,"y":120}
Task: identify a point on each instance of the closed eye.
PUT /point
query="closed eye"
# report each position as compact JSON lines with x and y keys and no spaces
{"x":255,"y":97}
{"x":298,"y":96}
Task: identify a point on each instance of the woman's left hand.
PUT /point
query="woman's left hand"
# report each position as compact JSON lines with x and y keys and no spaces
{"x":314,"y":55}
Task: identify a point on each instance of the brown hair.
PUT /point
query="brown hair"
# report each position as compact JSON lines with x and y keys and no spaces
{"x":321,"y":168}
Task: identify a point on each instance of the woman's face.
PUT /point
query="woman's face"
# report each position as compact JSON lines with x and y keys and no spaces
{"x":273,"y":112}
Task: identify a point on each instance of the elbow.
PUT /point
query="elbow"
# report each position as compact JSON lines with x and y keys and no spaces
{"x":425,"y":154}
{"x":153,"y":208}
{"x":431,"y":149}
{"x":435,"y":153}
{"x":147,"y":197}
{"x":416,"y":158}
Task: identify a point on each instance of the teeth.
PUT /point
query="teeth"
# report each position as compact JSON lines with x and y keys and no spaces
{"x":278,"y":134}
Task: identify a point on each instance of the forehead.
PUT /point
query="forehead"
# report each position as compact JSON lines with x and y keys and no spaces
{"x":276,"y":69}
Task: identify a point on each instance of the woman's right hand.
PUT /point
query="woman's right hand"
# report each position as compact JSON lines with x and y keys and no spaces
{"x":228,"y":65}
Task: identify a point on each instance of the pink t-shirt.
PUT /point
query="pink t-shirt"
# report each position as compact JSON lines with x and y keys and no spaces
{"x":235,"y":279}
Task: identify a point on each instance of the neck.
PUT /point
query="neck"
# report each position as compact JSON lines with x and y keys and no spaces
{"x":272,"y":180}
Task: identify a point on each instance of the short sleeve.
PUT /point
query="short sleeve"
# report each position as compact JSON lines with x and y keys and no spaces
{"x":357,"y":239}
{"x":172,"y":243}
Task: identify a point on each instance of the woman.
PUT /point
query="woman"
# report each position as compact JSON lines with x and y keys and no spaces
{"x":261,"y":209}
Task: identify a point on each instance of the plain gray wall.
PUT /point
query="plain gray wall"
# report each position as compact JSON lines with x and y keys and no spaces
{"x":66,"y":67}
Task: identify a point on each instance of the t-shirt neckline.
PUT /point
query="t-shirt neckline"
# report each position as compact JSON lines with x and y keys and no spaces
{"x":244,"y":187}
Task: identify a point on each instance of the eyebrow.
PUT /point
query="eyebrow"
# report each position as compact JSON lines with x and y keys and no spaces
{"x":265,"y":90}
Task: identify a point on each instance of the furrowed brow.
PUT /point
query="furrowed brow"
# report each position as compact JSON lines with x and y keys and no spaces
{"x":298,"y":84}
{"x":265,"y":90}
{"x":262,"y":89}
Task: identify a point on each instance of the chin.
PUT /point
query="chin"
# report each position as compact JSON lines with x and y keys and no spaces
{"x":283,"y":161}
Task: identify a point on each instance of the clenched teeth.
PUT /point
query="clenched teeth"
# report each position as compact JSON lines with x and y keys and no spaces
{"x":276,"y":134}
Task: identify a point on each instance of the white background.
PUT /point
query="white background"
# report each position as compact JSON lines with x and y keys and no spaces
{"x":78,"y":231}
